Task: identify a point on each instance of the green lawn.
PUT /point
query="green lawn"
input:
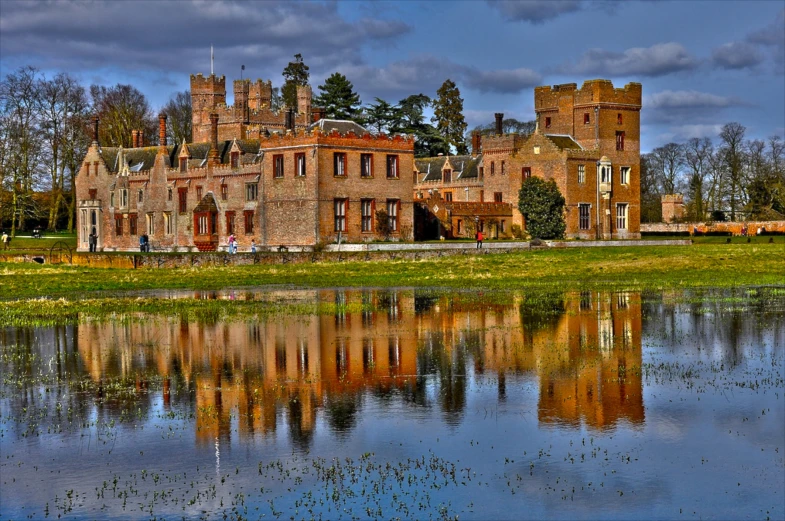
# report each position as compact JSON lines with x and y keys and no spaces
{"x":25,"y":244}
{"x":635,"y":267}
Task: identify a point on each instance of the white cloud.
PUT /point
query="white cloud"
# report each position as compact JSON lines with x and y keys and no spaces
{"x":535,"y":11}
{"x":658,"y":60}
{"x":688,"y":99}
{"x":736,"y":55}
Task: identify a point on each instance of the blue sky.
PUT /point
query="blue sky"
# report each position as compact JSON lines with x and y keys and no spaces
{"x":702,"y":64}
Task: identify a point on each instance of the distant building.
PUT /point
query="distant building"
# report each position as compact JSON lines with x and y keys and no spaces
{"x":587,"y":140}
{"x":673,"y":208}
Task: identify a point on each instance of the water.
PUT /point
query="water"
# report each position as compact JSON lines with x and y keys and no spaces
{"x":404,"y":403}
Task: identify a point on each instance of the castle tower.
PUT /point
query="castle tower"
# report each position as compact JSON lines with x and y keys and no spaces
{"x":241,"y":92}
{"x":304,"y":101}
{"x":260,"y":95}
{"x":206,"y":95}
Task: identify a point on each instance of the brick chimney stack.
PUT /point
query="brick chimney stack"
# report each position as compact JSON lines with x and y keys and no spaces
{"x":134,"y":138}
{"x":213,"y":137}
{"x":476,"y":143}
{"x":499,"y":119}
{"x":318,"y":113}
{"x":95,"y":129}
{"x":161,"y":130}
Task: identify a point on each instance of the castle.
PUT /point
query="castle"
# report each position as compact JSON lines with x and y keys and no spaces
{"x":292,"y":178}
{"x":587,"y":140}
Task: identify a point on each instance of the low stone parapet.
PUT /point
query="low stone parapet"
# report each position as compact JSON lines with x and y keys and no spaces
{"x":735,"y":227}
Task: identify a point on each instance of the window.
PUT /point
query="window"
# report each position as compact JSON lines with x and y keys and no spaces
{"x":493,"y":168}
{"x":139,"y":196}
{"x":392,"y":167}
{"x":392,"y":213}
{"x":581,"y":173}
{"x":584,"y":216}
{"x":132,"y":224}
{"x":624,"y":175}
{"x":366,"y":162}
{"x":620,"y":140}
{"x":224,"y":192}
{"x":503,"y":226}
{"x":118,"y":225}
{"x":526,"y":172}
{"x":235,"y":159}
{"x":459,"y":227}
{"x":606,"y":174}
{"x":482,"y":195}
{"x":447,"y":176}
{"x":482,"y":173}
{"x":277,"y":168}
{"x":93,"y":194}
{"x":168,"y":223}
{"x":111,"y":199}
{"x":169,"y":194}
{"x":248,"y":215}
{"x":182,"y":196}
{"x":586,"y":119}
{"x":183,"y":164}
{"x":502,"y":167}
{"x":547,"y":122}
{"x":150,"y":223}
{"x":339,"y":206}
{"x":366,"y":207}
{"x":198,"y":193}
{"x":299,"y":165}
{"x":621,"y":216}
{"x":251,"y":191}
{"x":448,"y":196}
{"x":497,"y":197}
{"x":339,"y":164}
{"x":123,"y":197}
{"x":202,"y":224}
{"x":229,"y":223}
{"x":618,"y":118}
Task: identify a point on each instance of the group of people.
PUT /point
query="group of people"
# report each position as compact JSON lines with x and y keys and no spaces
{"x":233,"y":245}
{"x":144,"y":243}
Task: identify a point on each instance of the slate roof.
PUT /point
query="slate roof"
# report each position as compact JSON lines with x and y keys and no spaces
{"x":341,"y":125}
{"x":564,"y":142}
{"x":138,"y":158}
{"x":464,"y":167}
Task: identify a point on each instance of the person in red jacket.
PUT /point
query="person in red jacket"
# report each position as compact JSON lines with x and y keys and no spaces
{"x":479,"y":239}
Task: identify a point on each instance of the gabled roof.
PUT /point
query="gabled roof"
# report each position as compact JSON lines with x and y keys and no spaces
{"x":464,"y":167}
{"x":564,"y":141}
{"x":341,"y":125}
{"x":138,"y":159}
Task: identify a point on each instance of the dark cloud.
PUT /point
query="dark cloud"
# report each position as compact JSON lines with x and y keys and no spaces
{"x":772,"y":37}
{"x":535,"y":11}
{"x":694,"y":111}
{"x":426,"y":73}
{"x":176,"y":36}
{"x":658,"y":60}
{"x":736,"y":55}
{"x":689,"y":99}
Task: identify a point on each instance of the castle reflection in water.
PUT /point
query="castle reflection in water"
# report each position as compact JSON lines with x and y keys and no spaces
{"x":583,"y":351}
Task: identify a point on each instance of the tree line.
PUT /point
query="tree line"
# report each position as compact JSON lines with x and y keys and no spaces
{"x":736,"y":179}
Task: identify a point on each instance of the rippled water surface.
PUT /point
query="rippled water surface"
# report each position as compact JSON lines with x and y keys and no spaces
{"x":404,"y":403}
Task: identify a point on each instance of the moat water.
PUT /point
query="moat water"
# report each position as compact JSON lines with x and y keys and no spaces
{"x":404,"y":404}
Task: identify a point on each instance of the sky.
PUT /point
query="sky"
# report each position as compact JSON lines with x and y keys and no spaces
{"x":701,"y":63}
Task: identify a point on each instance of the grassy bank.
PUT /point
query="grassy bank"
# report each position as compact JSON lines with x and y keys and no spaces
{"x":632,"y":268}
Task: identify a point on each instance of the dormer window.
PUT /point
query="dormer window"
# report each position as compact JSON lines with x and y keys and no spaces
{"x":235,"y":159}
{"x":447,"y":176}
{"x":183,"y":164}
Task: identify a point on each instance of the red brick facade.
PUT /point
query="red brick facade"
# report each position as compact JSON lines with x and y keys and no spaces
{"x":580,"y":133}
{"x":280,"y":190}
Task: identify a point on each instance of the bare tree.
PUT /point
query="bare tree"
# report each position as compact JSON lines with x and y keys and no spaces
{"x":122,"y":109}
{"x":651,"y":203}
{"x":697,"y":155}
{"x":178,"y":117}
{"x":19,"y":104}
{"x":668,"y":161}
{"x":732,"y":136}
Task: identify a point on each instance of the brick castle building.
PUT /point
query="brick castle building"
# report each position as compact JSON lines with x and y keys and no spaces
{"x":256,"y":175}
{"x":587,"y":140}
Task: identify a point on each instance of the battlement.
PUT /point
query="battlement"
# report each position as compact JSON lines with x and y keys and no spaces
{"x":276,"y":139}
{"x":591,"y":92}
{"x":211,"y":84}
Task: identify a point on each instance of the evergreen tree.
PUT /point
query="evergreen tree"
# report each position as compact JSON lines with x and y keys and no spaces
{"x":296,"y":73}
{"x":448,"y":116}
{"x":382,"y":117}
{"x":428,"y":141}
{"x":542,"y":205}
{"x":338,"y":98}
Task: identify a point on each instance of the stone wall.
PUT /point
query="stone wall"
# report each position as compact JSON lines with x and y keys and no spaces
{"x":703,"y":227}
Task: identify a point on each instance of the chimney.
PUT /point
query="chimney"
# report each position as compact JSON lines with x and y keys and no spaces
{"x":318,"y":113}
{"x":476,"y":143}
{"x":140,"y":138}
{"x":213,"y":137}
{"x":161,"y":130}
{"x":499,"y":118}
{"x":290,"y":119}
{"x":95,"y":130}
{"x":134,"y":138}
